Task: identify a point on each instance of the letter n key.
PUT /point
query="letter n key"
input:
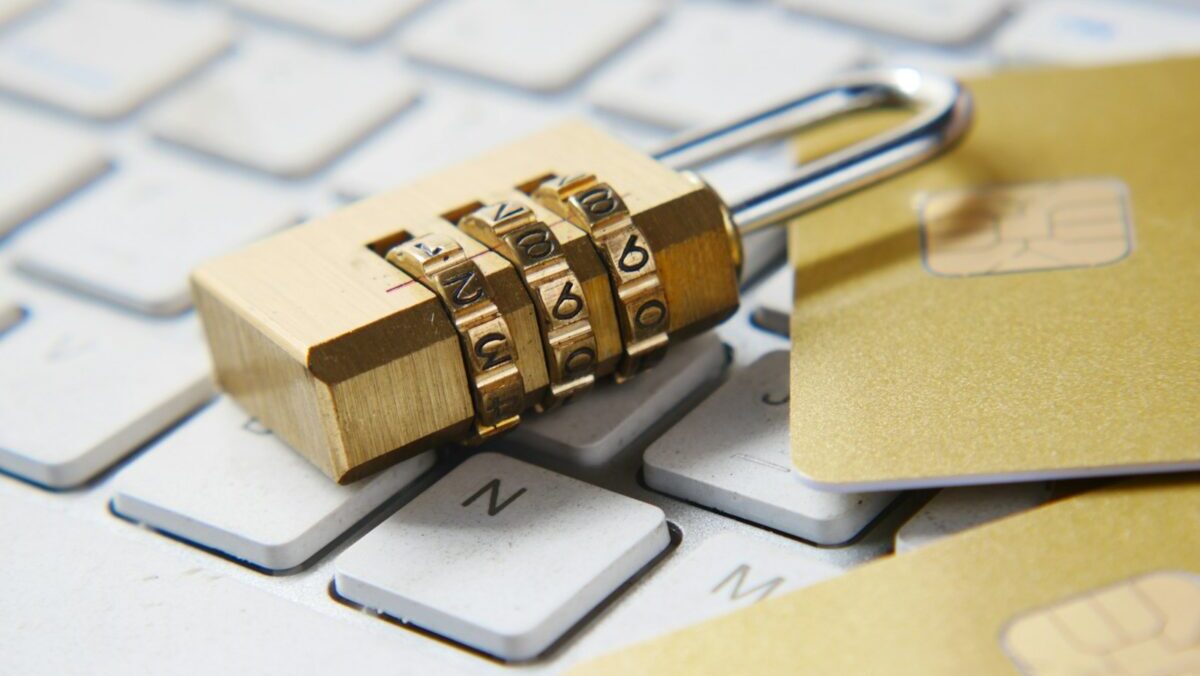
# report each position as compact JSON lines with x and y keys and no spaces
{"x":493,"y":489}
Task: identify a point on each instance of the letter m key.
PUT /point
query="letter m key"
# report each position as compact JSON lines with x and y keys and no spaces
{"x":738,"y":578}
{"x":495,"y":506}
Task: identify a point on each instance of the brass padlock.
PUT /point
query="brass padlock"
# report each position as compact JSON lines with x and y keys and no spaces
{"x":443,"y":310}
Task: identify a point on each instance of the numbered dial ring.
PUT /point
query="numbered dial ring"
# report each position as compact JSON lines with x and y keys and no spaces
{"x":498,"y":389}
{"x":641,"y":303}
{"x":515,"y":232}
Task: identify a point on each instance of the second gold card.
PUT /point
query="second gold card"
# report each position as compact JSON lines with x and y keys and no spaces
{"x":1025,"y":307}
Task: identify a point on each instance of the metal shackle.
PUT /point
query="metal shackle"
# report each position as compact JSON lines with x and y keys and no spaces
{"x":943,"y":112}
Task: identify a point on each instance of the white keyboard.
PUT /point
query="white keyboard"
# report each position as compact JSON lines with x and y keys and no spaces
{"x":139,"y":137}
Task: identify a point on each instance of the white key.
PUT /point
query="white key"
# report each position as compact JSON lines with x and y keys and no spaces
{"x":285,"y":107}
{"x":443,"y":128}
{"x":134,"y":238}
{"x":122,"y":602}
{"x":1077,"y":32}
{"x":501,"y":555}
{"x":81,"y":386}
{"x":536,"y":44}
{"x":954,"y":510}
{"x":592,"y":429}
{"x":746,"y":341}
{"x":938,"y":21}
{"x":10,"y":9}
{"x":772,"y":301}
{"x":359,"y":21}
{"x":40,"y":162}
{"x":698,"y":68}
{"x":103,"y":58}
{"x":733,"y":454}
{"x":224,"y":481}
{"x":726,"y":573}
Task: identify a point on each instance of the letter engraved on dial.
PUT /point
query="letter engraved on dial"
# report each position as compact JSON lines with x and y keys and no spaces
{"x":428,"y":250}
{"x":506,"y":210}
{"x":650,"y":314}
{"x":568,"y":304}
{"x":465,"y":288}
{"x":535,"y":244}
{"x":633,"y":257}
{"x":579,"y":360}
{"x":495,"y":356}
{"x":498,"y":404}
{"x":598,"y":201}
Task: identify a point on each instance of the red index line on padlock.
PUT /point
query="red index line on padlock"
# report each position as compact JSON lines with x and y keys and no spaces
{"x":413,"y":281}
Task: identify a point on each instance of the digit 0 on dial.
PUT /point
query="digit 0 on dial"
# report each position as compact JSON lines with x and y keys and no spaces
{"x":498,"y":389}
{"x":641,"y":302}
{"x":569,"y":341}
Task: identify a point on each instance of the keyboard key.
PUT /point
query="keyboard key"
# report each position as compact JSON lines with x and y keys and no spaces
{"x":359,"y":21}
{"x":103,"y":58}
{"x":501,"y":555}
{"x":1077,"y":32}
{"x":134,"y":238}
{"x":727,"y":572}
{"x":592,"y":429}
{"x":82,"y":386}
{"x":536,"y":44}
{"x":225,"y":482}
{"x":117,"y":601}
{"x":733,"y":454}
{"x":772,"y":302}
{"x":696,"y":69}
{"x":954,"y":510}
{"x":935,"y":21}
{"x":40,"y":161}
{"x":746,"y":341}
{"x":284,"y":107}
{"x":10,"y":9}
{"x":441,"y":129}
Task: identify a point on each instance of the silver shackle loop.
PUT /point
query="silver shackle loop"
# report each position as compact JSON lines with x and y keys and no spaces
{"x":943,"y":114}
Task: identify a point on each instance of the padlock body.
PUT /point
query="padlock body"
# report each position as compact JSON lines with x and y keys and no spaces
{"x":355,"y":364}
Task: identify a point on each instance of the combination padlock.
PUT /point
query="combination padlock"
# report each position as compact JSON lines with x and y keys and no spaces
{"x":444,"y":310}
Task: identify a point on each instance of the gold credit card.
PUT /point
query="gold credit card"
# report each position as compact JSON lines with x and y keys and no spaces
{"x":1106,"y":582}
{"x":1025,"y":307}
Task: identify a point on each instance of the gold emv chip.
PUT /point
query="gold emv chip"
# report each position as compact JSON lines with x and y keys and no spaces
{"x":1025,"y":227}
{"x":1149,"y":624}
